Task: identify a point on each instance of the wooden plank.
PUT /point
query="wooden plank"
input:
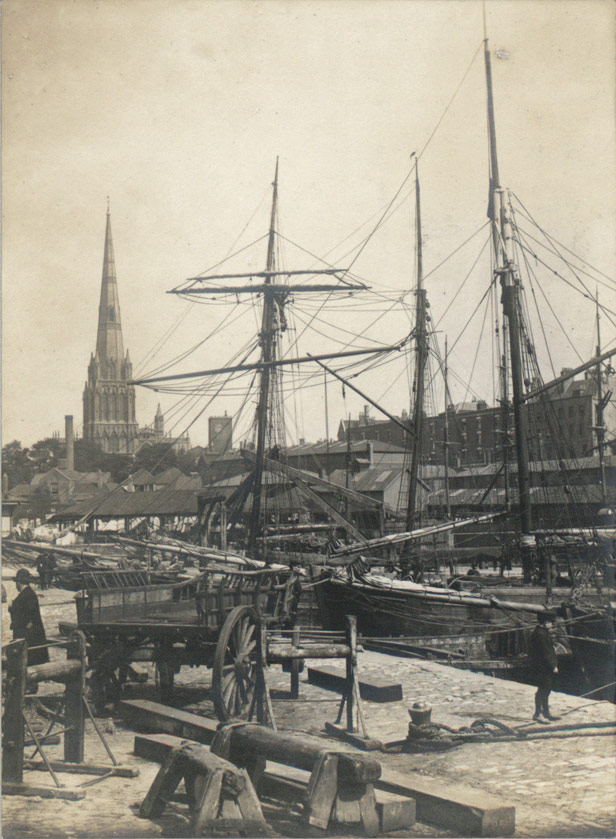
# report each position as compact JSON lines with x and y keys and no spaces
{"x":321,"y":791}
{"x":84,"y":768}
{"x":42,"y":792}
{"x":144,"y":715}
{"x":155,"y":747}
{"x":374,"y":690}
{"x":469,"y":811}
{"x":366,"y":744}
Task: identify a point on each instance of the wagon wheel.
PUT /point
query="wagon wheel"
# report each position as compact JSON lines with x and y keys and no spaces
{"x":234,"y":673}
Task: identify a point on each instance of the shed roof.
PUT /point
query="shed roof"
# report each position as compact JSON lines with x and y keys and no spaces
{"x":121,"y":503}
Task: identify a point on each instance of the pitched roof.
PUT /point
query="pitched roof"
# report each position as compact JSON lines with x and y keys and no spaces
{"x":72,"y":475}
{"x":121,"y":503}
{"x":19,"y":492}
{"x":142,"y":477}
{"x":168,"y":476}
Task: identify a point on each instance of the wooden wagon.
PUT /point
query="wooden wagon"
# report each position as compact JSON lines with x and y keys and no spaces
{"x":211,"y":620}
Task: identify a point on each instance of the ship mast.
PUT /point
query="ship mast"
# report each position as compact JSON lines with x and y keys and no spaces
{"x":600,"y":428}
{"x":499,"y":211}
{"x":421,"y":355}
{"x":446,"y":433}
{"x":268,"y":350}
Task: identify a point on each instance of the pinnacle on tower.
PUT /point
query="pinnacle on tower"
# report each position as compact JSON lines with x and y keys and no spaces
{"x":109,"y":344}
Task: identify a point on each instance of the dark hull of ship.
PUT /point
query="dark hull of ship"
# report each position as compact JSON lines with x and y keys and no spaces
{"x":477,"y":632}
{"x":495,"y":640}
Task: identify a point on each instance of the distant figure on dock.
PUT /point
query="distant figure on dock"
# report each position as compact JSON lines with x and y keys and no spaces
{"x":46,"y":567}
{"x":545,"y":665}
{"x":41,"y":568}
{"x":26,"y":619}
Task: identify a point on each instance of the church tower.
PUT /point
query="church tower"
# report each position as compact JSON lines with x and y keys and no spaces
{"x":108,"y":399}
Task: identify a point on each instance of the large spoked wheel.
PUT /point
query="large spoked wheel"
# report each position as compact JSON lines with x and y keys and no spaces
{"x":234,"y":673}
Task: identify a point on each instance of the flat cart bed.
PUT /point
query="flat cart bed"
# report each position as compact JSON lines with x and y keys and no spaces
{"x":210,"y":620}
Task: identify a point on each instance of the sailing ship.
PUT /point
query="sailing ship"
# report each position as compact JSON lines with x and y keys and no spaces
{"x":485,"y":625}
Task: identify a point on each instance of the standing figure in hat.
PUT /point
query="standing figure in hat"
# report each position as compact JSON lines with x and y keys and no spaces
{"x":544,"y":661}
{"x":26,"y":618}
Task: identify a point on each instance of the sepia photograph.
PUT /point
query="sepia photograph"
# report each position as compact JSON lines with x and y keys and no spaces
{"x":308,"y":419}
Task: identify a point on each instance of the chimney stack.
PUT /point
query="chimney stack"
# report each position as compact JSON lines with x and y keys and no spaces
{"x":70,"y":442}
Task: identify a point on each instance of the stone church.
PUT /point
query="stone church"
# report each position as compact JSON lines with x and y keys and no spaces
{"x":108,"y":399}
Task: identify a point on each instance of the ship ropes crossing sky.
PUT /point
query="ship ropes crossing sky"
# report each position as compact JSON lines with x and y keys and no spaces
{"x":276,"y":289}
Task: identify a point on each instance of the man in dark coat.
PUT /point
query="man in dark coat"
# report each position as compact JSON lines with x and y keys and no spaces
{"x":544,"y":661}
{"x":26,"y":619}
{"x":41,"y":567}
{"x":51,"y":568}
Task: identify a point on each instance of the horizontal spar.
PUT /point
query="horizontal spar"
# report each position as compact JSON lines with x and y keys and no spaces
{"x":278,"y":288}
{"x":261,"y":365}
{"x":555,"y":382}
{"x":407,"y":536}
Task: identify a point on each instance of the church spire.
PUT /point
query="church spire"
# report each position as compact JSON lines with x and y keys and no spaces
{"x":109,"y":344}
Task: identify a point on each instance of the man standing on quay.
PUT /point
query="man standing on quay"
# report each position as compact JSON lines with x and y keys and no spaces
{"x":26,"y":619}
{"x":545,"y":665}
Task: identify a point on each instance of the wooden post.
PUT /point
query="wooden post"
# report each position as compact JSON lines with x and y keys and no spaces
{"x":295,"y":665}
{"x":74,"y":705}
{"x":351,"y":661}
{"x":262,"y":697}
{"x":12,"y":722}
{"x":223,"y":526}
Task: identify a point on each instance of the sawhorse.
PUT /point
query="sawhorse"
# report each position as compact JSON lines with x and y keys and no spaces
{"x":220,"y":796}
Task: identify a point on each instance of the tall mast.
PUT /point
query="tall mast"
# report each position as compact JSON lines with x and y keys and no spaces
{"x":421,"y":354}
{"x":600,"y":428}
{"x":268,"y":350}
{"x":327,"y":468}
{"x":505,"y":411}
{"x":347,"y":476}
{"x":446,"y":434}
{"x":499,"y":212}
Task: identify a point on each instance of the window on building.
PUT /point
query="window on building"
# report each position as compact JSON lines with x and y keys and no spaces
{"x":53,"y":489}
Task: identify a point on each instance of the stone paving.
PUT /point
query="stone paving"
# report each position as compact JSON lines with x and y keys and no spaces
{"x":559,"y":787}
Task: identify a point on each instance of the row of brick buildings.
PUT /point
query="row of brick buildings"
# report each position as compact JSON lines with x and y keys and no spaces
{"x":561,"y":424}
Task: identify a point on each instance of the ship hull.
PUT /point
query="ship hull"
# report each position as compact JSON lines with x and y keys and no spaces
{"x":475,"y":631}
{"x":481,"y":634}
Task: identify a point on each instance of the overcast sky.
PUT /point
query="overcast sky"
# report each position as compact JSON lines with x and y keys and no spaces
{"x":177,"y":109}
